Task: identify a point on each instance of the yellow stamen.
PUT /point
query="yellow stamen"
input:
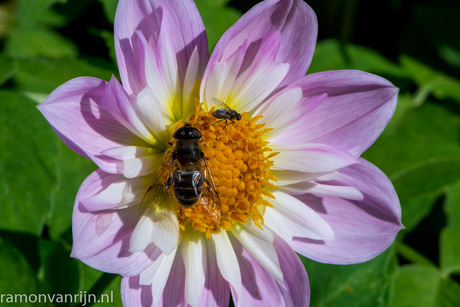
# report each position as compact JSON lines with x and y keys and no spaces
{"x":241,"y":171}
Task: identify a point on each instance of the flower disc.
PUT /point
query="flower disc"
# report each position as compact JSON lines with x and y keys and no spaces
{"x":236,"y":154}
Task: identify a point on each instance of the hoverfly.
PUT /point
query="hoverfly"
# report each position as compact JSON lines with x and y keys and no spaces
{"x":188,"y":173}
{"x":224,"y":112}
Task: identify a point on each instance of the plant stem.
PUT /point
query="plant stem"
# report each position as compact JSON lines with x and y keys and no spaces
{"x":412,"y":255}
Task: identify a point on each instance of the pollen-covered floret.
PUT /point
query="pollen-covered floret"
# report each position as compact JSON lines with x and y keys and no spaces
{"x":240,"y":168}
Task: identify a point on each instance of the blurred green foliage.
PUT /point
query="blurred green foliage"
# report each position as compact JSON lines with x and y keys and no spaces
{"x":45,"y":43}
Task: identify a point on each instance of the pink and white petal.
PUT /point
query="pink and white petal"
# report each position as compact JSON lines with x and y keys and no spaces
{"x":259,"y":286}
{"x":289,"y":218}
{"x":216,"y":290}
{"x":295,"y":21}
{"x":161,"y":70}
{"x":132,"y":15}
{"x":296,"y":290}
{"x":222,"y":77}
{"x":259,"y":76}
{"x":301,"y":188}
{"x":157,"y":275}
{"x":142,"y":166}
{"x":187,"y":31}
{"x":259,"y":243}
{"x":174,"y":293}
{"x":357,"y":109}
{"x":288,"y":177}
{"x":362,"y":229}
{"x":129,"y":152}
{"x":101,"y":240}
{"x":74,"y":111}
{"x":95,"y":231}
{"x":283,"y":134}
{"x":153,"y":114}
{"x":375,"y":185}
{"x":191,"y":86}
{"x":194,"y":253}
{"x":247,"y":76}
{"x":346,"y":192}
{"x":137,"y":161}
{"x":311,"y":158}
{"x":227,"y":261}
{"x":157,"y":225}
{"x":121,"y":106}
{"x":281,"y":109}
{"x":126,"y":263}
{"x":105,"y":191}
{"x":133,"y":294}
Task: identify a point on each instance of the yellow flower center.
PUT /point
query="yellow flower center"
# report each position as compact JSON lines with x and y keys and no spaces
{"x":239,"y":161}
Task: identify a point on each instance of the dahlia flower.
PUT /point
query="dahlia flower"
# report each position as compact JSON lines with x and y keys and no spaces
{"x":288,"y":174}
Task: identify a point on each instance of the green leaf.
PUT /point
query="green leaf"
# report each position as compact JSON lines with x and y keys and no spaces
{"x":38,"y":267}
{"x":54,"y":19}
{"x":421,"y":156}
{"x":7,"y":68}
{"x":59,"y":272}
{"x":108,"y":38}
{"x":330,"y":55}
{"x":448,"y":294}
{"x":435,"y":82}
{"x":29,"y":12}
{"x":39,"y":175}
{"x":44,"y":74}
{"x":26,"y":164}
{"x":105,"y":286}
{"x":18,"y":276}
{"x":416,"y":208}
{"x":110,"y":44}
{"x":110,"y":7}
{"x":32,"y":35}
{"x":405,"y":105}
{"x":452,"y":207}
{"x":39,"y":42}
{"x":450,"y":55}
{"x":71,"y":169}
{"x":111,"y":291}
{"x":415,"y":286}
{"x":428,"y":176}
{"x":364,"y":284}
{"x":88,"y":276}
{"x":421,"y":286}
{"x":450,"y":251}
{"x":217,"y":18}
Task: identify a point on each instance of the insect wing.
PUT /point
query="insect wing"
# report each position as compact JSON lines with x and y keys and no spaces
{"x":209,"y":180}
{"x":156,"y":188}
{"x":219,"y":104}
{"x":197,"y":181}
{"x":209,"y":196}
{"x":220,"y":113}
{"x":211,"y":202}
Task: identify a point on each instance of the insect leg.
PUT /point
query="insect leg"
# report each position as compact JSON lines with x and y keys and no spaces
{"x":220,"y":121}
